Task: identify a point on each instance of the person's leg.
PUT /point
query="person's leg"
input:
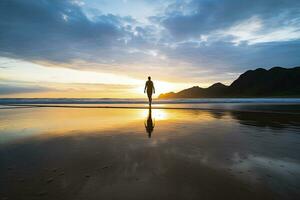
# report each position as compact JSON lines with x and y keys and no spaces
{"x":149,"y":98}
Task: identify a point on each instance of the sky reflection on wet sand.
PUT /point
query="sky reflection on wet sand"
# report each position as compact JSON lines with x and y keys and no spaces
{"x":51,"y":152}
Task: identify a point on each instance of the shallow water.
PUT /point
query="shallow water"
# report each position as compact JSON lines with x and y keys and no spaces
{"x":144,"y":100}
{"x":114,"y":153}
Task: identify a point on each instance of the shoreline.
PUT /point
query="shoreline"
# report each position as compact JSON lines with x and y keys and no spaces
{"x":16,"y":106}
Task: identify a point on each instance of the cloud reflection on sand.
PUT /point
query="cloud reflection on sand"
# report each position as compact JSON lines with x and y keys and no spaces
{"x":196,"y":149}
{"x":47,"y":122}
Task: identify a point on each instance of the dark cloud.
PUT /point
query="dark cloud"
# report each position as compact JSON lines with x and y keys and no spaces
{"x":56,"y":30}
{"x":226,"y":57}
{"x":6,"y":89}
{"x":201,"y":17}
{"x":60,"y":31}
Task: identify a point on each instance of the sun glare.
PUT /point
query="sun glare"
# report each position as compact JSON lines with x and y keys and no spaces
{"x":157,"y":114}
{"x":160,"y":87}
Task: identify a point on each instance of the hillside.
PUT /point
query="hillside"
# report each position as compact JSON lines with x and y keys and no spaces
{"x":275,"y":82}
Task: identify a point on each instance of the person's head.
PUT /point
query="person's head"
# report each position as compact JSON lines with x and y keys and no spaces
{"x":149,"y":78}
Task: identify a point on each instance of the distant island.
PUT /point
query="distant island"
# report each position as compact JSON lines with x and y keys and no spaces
{"x":275,"y":82}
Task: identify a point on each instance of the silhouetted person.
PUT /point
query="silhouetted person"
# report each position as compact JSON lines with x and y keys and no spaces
{"x":150,"y":124}
{"x":150,"y":89}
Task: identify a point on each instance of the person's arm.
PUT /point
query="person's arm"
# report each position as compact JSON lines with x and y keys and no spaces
{"x":145,"y":87}
{"x":153,"y":89}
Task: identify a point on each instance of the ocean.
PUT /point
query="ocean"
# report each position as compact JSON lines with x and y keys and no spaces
{"x":143,"y":101}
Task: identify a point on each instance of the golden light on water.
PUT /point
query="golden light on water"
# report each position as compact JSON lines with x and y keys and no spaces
{"x":157,"y":114}
{"x":53,"y":122}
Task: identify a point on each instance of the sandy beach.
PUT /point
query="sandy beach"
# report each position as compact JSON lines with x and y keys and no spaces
{"x":149,"y":100}
{"x":114,"y":153}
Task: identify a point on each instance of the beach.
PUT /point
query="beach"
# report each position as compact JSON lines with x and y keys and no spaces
{"x":149,"y":100}
{"x":219,"y":151}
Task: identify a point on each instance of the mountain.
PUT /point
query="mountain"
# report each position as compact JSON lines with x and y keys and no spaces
{"x":275,"y":82}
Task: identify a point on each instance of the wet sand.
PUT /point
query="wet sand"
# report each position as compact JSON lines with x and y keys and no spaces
{"x":112,"y":153}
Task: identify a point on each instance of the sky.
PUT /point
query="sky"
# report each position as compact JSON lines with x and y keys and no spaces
{"x":108,"y":48}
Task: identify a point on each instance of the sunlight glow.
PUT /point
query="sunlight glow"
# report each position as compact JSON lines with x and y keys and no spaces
{"x":157,"y":114}
{"x":160,"y":87}
{"x":62,"y":82}
{"x":26,"y":71}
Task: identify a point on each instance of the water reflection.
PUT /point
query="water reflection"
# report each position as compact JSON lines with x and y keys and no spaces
{"x":105,"y":153}
{"x":149,"y":124}
{"x":271,"y":120}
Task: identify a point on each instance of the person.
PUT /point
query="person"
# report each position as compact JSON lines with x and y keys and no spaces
{"x":150,"y":89}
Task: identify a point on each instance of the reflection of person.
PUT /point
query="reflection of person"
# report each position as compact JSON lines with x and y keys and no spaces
{"x":150,"y":89}
{"x":150,"y":124}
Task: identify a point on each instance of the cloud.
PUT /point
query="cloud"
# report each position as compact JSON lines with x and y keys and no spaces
{"x":222,"y":37}
{"x":195,"y":18}
{"x":6,"y":89}
{"x":59,"y":33}
{"x":9,"y":88}
{"x":56,"y":30}
{"x":185,"y":40}
{"x":218,"y":58}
